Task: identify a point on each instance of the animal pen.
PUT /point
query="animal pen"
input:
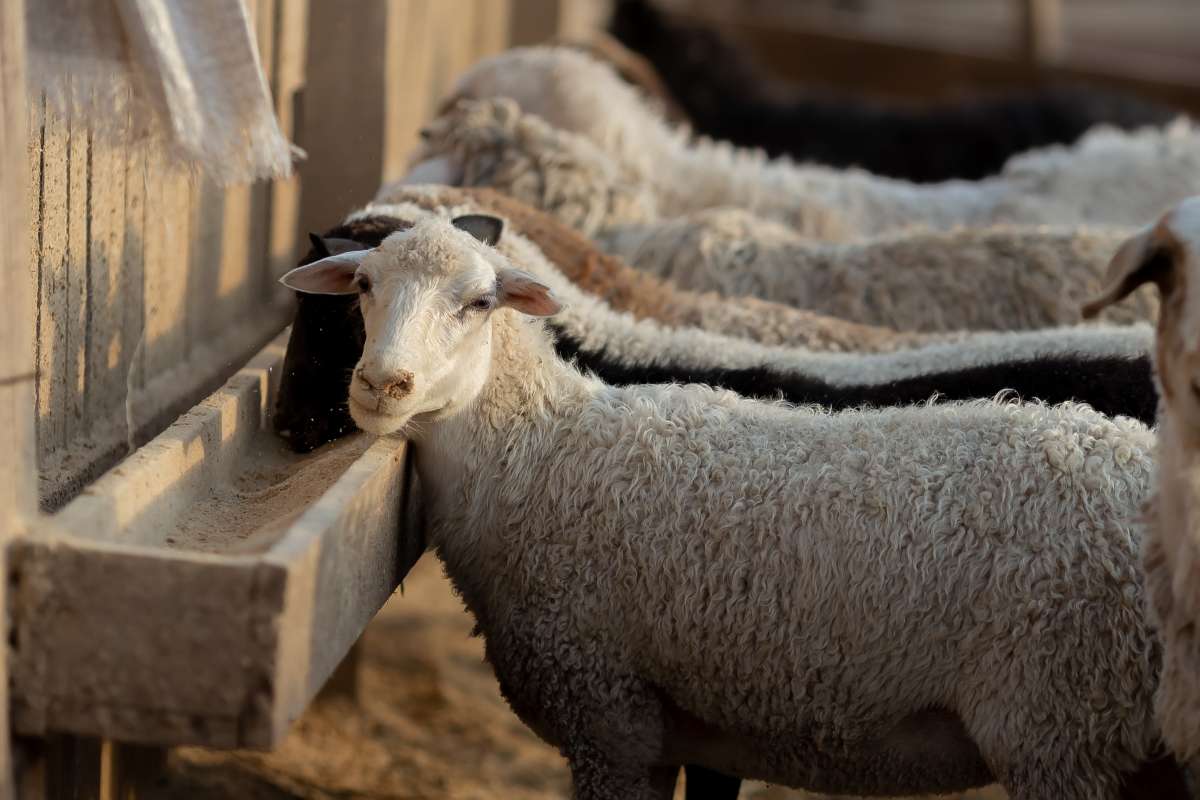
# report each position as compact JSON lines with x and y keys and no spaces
{"x":163,"y":588}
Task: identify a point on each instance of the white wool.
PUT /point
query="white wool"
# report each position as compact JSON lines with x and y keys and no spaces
{"x":909,"y":600}
{"x":989,"y":278}
{"x":644,"y":340}
{"x":1108,"y":177}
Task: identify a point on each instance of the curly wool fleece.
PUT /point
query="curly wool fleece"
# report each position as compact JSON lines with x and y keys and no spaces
{"x":800,"y":587}
{"x":1107,"y":177}
{"x":996,"y":278}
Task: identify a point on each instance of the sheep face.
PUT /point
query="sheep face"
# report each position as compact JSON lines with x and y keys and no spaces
{"x":1168,"y":255}
{"x":427,"y":297}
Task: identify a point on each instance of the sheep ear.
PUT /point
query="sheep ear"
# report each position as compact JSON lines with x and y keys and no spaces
{"x":483,"y":227}
{"x":335,"y":246}
{"x":521,"y":291}
{"x":1139,"y":260}
{"x":330,"y":275}
{"x":326,"y":246}
{"x":318,"y":245}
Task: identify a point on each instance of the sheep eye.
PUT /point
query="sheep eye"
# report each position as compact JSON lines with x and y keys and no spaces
{"x":363,"y":284}
{"x":485,"y":303}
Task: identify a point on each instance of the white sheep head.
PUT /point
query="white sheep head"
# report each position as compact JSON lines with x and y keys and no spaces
{"x":428,"y":295}
{"x":1167,"y":254}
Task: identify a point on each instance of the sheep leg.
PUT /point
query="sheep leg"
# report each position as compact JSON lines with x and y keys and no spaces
{"x":1161,"y":778}
{"x":595,"y":777}
{"x":707,"y":784}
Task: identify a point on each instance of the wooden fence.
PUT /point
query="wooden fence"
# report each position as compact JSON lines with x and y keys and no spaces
{"x":153,"y":285}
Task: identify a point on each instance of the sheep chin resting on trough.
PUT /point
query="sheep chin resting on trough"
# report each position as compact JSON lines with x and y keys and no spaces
{"x":911,"y":600}
{"x":1167,"y":254}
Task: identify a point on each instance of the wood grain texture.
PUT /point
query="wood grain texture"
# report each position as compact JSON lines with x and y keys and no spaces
{"x":142,"y":269}
{"x":288,"y":75}
{"x":18,"y":286}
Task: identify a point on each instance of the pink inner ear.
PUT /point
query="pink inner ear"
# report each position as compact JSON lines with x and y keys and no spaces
{"x":522,"y":293}
{"x":332,"y":275}
{"x":536,"y":303}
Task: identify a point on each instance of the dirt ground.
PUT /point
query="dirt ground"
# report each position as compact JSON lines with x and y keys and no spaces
{"x":429,"y":724}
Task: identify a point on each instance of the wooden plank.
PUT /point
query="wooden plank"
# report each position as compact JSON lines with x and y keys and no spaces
{"x":1041,"y":30}
{"x":407,"y":75}
{"x":889,"y":68}
{"x":291,"y":30}
{"x":491,"y":28}
{"x":207,"y":267}
{"x":133,"y":279}
{"x":259,"y":194}
{"x":343,"y":114}
{"x":242,"y":251}
{"x":76,"y":295}
{"x":52,"y":315}
{"x":152,"y":679}
{"x":106,"y":353}
{"x":17,"y":363}
{"x":534,"y":21}
{"x":167,"y":258}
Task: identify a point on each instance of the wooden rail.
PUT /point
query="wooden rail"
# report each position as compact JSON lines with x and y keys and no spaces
{"x":17,"y":487}
{"x":836,"y":56}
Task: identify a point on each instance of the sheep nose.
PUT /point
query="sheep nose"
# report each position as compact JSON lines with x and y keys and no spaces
{"x":397,"y":386}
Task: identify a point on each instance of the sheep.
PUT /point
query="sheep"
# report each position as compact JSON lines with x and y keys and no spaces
{"x":996,"y":278}
{"x":916,"y":280}
{"x":493,"y":143}
{"x":633,"y":68}
{"x":726,"y":96}
{"x":1167,"y":254}
{"x":970,"y":602}
{"x":646,"y":297}
{"x":310,"y":406}
{"x":1108,"y":177}
{"x":1106,"y":367}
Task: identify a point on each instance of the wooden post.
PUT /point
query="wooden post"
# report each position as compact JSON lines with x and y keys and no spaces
{"x":17,"y":470}
{"x":1041,"y":31}
{"x":534,"y":21}
{"x":342,"y":119}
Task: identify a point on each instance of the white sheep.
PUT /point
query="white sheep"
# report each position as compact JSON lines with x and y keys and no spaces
{"x":994,"y":278}
{"x":646,"y":296}
{"x":1105,"y":366}
{"x":1109,"y":176}
{"x":909,"y":600}
{"x":493,"y":143}
{"x":1167,"y":254}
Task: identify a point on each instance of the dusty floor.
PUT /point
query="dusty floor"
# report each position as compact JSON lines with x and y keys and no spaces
{"x":430,"y":724}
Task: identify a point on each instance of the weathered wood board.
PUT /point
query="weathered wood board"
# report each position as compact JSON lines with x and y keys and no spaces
{"x":17,"y":363}
{"x":143,"y":271}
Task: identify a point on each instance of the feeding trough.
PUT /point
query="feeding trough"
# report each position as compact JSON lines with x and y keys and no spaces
{"x":210,"y":584}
